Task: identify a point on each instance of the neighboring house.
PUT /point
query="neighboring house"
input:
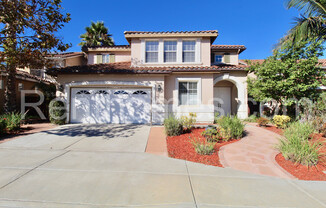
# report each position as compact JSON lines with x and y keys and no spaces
{"x":157,"y":74}
{"x":24,"y":81}
{"x":27,"y":78}
{"x":68,"y":59}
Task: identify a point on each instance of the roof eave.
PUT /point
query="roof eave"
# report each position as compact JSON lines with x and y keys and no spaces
{"x":211,"y":35}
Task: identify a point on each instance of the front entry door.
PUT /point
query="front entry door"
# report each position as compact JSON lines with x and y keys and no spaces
{"x":222,"y":100}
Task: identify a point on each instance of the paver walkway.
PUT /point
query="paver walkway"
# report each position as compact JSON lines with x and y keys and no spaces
{"x":254,"y":153}
{"x":156,"y":143}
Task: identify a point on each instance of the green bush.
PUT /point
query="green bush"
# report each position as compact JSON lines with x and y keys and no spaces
{"x":2,"y":126}
{"x":188,"y":122}
{"x":57,"y":112}
{"x":299,"y":130}
{"x":296,"y":147}
{"x":251,"y":119}
{"x":173,"y":126}
{"x":318,"y":123}
{"x":202,"y":147}
{"x":262,"y":121}
{"x":281,"y":121}
{"x":216,"y":117}
{"x":211,"y":134}
{"x":230,"y":127}
{"x":12,"y":121}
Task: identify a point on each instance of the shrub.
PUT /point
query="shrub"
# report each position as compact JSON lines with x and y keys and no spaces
{"x":318,"y":123}
{"x":323,"y":130}
{"x":230,"y":127}
{"x":296,"y":147}
{"x":281,"y":121}
{"x":262,"y":121}
{"x":211,"y":134}
{"x":2,"y":126}
{"x":216,"y":117}
{"x":12,"y":121}
{"x":300,"y":130}
{"x":57,"y":112}
{"x":202,"y":147}
{"x":173,"y":126}
{"x":188,"y":121}
{"x":251,"y":118}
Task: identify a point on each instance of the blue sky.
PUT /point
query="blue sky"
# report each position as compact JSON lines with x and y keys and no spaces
{"x":257,"y":24}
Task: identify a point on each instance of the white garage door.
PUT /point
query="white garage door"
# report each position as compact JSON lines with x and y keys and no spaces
{"x":102,"y":105}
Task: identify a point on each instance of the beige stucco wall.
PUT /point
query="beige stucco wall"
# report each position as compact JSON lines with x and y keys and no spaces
{"x":74,"y":61}
{"x":204,"y":109}
{"x":138,"y":53}
{"x":120,"y":56}
{"x":166,"y":99}
{"x":206,"y":86}
{"x":206,"y":51}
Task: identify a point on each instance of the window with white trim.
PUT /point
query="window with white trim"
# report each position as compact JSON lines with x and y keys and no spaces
{"x":151,"y":52}
{"x":188,"y":51}
{"x":218,"y":59}
{"x":105,"y":58}
{"x":170,"y":51}
{"x":188,"y":93}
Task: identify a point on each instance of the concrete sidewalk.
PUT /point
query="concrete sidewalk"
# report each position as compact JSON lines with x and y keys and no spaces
{"x":72,"y":175}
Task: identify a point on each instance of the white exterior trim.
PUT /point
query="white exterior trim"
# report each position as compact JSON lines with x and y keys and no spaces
{"x":198,"y":58}
{"x":198,"y":51}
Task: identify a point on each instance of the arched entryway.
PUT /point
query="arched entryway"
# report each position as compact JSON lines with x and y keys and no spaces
{"x":233,"y":90}
{"x":225,"y":98}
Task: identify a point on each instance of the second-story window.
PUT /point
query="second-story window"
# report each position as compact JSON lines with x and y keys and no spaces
{"x":218,"y":59}
{"x":188,"y":51}
{"x":170,"y":51}
{"x":151,"y":51}
{"x":105,"y":58}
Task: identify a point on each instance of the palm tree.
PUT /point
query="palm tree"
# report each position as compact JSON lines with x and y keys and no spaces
{"x":310,"y":25}
{"x":96,"y":35}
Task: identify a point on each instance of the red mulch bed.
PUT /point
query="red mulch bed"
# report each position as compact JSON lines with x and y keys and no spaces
{"x":314,"y":173}
{"x":299,"y":171}
{"x":180,"y":147}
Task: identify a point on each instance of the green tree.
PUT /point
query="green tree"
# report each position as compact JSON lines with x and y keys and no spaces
{"x":311,"y":24}
{"x":27,"y":35}
{"x":96,"y":35}
{"x":292,"y":72}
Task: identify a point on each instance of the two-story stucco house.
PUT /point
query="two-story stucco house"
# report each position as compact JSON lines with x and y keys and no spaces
{"x":157,"y":74}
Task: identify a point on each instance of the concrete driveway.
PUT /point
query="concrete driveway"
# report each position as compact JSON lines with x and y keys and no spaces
{"x":105,"y":166}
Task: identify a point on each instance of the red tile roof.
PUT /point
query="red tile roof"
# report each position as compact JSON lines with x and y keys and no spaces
{"x":25,"y":75}
{"x":66,"y":54}
{"x":254,"y":61}
{"x":126,"y":68}
{"x":168,"y":32}
{"x":322,"y":62}
{"x":115,"y":47}
{"x":239,"y":47}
